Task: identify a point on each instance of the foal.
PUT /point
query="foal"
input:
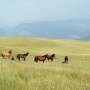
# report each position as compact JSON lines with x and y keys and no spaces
{"x":8,"y":54}
{"x":65,"y":59}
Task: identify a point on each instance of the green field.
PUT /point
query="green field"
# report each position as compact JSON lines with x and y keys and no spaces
{"x":28,"y":75}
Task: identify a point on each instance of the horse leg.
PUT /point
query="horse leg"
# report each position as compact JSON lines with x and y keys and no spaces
{"x":48,"y":59}
{"x":52,"y":59}
{"x":36,"y":60}
{"x":43,"y":61}
{"x":8,"y":56}
{"x":19,"y":58}
{"x":24,"y":59}
{"x":3,"y":56}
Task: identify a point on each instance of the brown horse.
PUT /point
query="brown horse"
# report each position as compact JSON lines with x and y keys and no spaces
{"x":40,"y":58}
{"x":65,"y":59}
{"x":8,"y":54}
{"x":22,"y":56}
{"x":50,"y":57}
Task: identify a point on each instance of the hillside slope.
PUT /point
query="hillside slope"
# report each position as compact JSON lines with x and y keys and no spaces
{"x":29,"y":75}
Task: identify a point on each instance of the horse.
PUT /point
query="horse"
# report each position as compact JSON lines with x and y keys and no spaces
{"x":40,"y":58}
{"x":65,"y":59}
{"x":22,"y":56}
{"x":8,"y":54}
{"x":50,"y":57}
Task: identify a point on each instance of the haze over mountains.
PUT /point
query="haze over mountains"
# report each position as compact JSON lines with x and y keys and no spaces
{"x":66,"y":29}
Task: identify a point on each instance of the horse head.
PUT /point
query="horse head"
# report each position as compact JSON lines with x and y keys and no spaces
{"x":10,"y":51}
{"x":27,"y":53}
{"x":53,"y":55}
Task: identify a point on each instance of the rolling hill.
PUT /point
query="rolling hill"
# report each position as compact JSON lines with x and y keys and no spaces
{"x":29,"y":75}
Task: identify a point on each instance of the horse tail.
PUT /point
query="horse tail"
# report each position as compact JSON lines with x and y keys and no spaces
{"x":17,"y":56}
{"x":35,"y":59}
{"x":1,"y":54}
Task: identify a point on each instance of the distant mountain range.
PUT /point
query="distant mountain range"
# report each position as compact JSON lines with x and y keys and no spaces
{"x":66,"y":29}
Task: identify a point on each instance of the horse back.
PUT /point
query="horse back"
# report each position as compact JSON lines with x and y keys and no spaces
{"x":49,"y":56}
{"x":21,"y":55}
{"x":40,"y":58}
{"x":5,"y":53}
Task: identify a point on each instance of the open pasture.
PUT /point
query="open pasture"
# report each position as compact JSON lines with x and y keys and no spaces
{"x":29,"y":75}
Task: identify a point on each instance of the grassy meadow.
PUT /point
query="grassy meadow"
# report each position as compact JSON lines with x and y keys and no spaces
{"x":28,"y":75}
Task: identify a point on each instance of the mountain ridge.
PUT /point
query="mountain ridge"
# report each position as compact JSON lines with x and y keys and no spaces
{"x":66,"y":29}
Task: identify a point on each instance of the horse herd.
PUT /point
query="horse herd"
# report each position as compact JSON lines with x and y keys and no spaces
{"x":43,"y":58}
{"x":36,"y":58}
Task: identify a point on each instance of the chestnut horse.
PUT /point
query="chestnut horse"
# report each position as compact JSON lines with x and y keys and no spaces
{"x":40,"y":58}
{"x":22,"y":56}
{"x":8,"y":54}
{"x":50,"y":57}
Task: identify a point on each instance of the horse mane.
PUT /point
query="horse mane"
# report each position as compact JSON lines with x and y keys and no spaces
{"x":53,"y":55}
{"x":45,"y":56}
{"x":27,"y":54}
{"x":10,"y":51}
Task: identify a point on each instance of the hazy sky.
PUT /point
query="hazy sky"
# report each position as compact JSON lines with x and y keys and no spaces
{"x":16,"y":11}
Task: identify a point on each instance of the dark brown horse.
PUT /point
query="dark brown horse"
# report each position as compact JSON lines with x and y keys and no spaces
{"x":50,"y":57}
{"x":40,"y":58}
{"x":8,"y":54}
{"x":65,"y":59}
{"x":22,"y":56}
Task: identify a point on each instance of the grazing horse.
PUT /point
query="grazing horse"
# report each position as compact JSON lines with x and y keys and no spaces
{"x":65,"y":59}
{"x":50,"y":57}
{"x":22,"y":56}
{"x":8,"y":54}
{"x":40,"y":58}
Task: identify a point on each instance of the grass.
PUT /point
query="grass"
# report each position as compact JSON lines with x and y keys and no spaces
{"x":28,"y":75}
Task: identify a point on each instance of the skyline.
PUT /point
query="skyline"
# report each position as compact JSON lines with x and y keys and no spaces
{"x":13,"y":12}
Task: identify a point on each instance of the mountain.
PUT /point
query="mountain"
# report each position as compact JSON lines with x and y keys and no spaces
{"x":66,"y":29}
